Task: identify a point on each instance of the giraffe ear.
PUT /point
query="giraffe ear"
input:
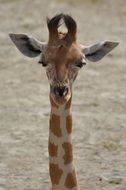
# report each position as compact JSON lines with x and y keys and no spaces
{"x":97,"y":51}
{"x":27,"y":45}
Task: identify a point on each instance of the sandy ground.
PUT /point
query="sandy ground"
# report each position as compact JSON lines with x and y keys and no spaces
{"x":99,"y":102}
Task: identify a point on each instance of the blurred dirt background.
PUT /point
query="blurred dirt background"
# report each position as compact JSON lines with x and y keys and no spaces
{"x":99,"y":102}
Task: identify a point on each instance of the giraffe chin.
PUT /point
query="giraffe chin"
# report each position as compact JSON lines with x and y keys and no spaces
{"x":61,"y":100}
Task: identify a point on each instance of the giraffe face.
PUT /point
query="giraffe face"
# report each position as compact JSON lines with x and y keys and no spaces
{"x":61,"y":56}
{"x":62,"y":63}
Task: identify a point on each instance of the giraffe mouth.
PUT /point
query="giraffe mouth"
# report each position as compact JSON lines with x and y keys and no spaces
{"x":60,"y":101}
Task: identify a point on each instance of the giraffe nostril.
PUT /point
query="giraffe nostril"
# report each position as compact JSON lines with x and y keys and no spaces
{"x":61,"y":91}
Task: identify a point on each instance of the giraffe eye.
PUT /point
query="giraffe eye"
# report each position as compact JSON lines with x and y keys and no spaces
{"x":81,"y":63}
{"x":44,"y":64}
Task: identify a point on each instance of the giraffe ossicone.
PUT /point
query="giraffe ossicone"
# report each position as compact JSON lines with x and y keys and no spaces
{"x":62,"y":57}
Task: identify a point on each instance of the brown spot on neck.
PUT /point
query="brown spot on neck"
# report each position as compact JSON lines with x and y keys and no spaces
{"x":69,"y":123}
{"x":68,"y":157}
{"x":52,"y":149}
{"x":55,"y":125}
{"x":71,"y":180}
{"x":55,"y":173}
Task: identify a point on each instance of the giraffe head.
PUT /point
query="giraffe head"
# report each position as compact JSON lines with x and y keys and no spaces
{"x":62,"y":56}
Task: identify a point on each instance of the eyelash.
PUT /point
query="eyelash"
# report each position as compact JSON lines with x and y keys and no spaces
{"x":44,"y":64}
{"x":79,"y":64}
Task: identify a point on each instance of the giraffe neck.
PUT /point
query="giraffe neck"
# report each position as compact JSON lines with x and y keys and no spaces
{"x":61,"y":166}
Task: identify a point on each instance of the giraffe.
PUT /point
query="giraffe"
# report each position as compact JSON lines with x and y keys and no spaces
{"x":62,"y":57}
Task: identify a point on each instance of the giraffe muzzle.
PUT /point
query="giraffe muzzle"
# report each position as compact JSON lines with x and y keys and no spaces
{"x":61,"y":91}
